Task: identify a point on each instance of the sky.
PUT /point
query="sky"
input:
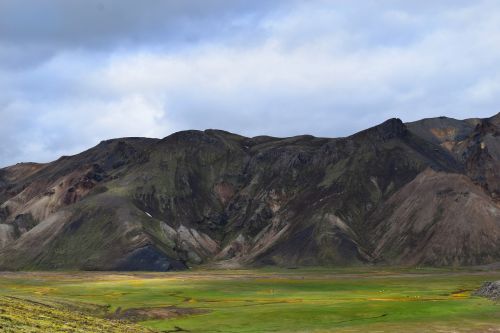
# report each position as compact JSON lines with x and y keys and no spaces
{"x":73,"y":73}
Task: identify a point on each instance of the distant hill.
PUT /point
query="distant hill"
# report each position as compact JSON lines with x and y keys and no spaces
{"x":422,"y":193}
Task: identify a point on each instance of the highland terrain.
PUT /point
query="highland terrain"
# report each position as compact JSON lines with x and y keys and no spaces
{"x":421,"y":193}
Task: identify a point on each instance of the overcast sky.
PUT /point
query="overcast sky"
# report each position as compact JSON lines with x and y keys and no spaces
{"x":73,"y":73}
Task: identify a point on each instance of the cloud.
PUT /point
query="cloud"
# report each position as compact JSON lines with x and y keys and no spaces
{"x":47,"y":27}
{"x":286,"y":68}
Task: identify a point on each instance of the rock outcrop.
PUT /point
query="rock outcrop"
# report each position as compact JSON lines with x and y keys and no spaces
{"x":489,"y":290}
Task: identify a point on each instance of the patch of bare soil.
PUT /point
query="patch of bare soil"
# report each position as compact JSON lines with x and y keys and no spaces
{"x":143,"y":314}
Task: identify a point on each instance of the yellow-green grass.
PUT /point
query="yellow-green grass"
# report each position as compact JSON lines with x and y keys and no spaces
{"x":24,"y":315}
{"x":272,"y":300}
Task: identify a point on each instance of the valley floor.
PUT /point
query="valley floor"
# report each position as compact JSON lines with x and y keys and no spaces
{"x":265,"y":300}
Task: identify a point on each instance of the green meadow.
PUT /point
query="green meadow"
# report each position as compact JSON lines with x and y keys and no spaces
{"x":265,"y":300}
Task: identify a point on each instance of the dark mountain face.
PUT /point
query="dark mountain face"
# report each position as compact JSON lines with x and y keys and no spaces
{"x":421,"y":193}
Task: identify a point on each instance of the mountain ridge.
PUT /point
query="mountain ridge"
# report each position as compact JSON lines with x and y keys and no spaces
{"x":219,"y":198}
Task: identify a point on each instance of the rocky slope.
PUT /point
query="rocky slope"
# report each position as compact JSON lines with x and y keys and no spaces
{"x":426,"y":192}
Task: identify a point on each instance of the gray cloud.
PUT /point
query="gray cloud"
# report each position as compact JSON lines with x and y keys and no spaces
{"x":35,"y":30}
{"x":77,"y":72}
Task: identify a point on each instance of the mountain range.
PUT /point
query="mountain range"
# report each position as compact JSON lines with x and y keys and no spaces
{"x":418,"y":193}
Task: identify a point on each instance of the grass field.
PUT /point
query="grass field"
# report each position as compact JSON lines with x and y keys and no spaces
{"x":303,"y":300}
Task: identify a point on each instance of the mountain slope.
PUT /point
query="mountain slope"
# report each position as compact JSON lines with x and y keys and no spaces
{"x":199,"y":197}
{"x":438,"y":219}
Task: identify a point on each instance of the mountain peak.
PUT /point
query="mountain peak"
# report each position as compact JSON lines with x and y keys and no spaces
{"x":389,"y":129}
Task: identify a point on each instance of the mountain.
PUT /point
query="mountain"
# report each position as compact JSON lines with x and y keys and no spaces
{"x":421,"y":193}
